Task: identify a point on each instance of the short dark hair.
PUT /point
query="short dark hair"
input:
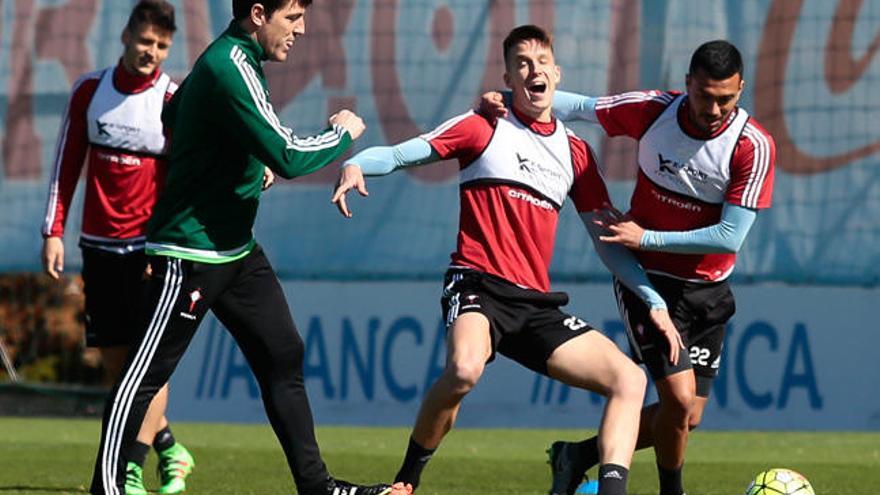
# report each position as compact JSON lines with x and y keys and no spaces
{"x":719,"y":59}
{"x":242,"y":8}
{"x":525,"y":33}
{"x":158,"y":13}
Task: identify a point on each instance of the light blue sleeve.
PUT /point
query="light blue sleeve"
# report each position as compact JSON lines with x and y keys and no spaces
{"x":382,"y":160}
{"x":623,"y":264}
{"x":568,"y":107}
{"x":726,"y":236}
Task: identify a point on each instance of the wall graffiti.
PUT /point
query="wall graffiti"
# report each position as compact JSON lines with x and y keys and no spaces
{"x":408,"y":66}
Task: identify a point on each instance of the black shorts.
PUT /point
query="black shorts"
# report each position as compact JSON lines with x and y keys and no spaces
{"x":114,"y":290}
{"x":700,"y":312}
{"x":526,"y":325}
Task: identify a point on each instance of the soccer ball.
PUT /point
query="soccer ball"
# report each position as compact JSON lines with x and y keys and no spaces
{"x":780,"y":481}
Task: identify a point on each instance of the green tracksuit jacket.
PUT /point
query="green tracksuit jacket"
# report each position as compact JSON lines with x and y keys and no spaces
{"x":223,"y":131}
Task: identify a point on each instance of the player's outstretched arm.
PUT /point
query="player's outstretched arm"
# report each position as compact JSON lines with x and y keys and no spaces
{"x":250,"y":118}
{"x":567,"y":106}
{"x":379,"y":160}
{"x":621,"y":262}
{"x":726,"y":236}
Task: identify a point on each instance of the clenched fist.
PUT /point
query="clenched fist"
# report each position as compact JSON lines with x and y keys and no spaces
{"x":349,"y":121}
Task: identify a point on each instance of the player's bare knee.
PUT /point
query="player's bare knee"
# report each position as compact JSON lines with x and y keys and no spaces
{"x":636,"y":383}
{"x":630,"y":383}
{"x":680,"y":404}
{"x":463,"y":375}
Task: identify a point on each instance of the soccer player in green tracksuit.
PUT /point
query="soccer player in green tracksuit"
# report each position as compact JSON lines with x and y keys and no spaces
{"x":202,"y":251}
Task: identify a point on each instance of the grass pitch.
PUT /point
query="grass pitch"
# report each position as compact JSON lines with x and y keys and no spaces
{"x":52,"y":456}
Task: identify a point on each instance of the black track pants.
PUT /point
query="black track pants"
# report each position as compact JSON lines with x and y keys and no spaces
{"x":247,"y":298}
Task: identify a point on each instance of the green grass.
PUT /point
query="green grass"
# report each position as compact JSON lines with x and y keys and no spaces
{"x":51,"y":456}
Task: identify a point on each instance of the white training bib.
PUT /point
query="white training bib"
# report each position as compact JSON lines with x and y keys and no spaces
{"x":129,"y":122}
{"x":516,"y":154}
{"x":680,"y":163}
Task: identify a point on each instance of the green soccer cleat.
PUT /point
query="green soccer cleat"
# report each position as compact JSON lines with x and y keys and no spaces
{"x":134,"y":480}
{"x":175,"y":464}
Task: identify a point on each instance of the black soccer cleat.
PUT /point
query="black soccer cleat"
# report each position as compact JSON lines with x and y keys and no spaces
{"x":340,"y":487}
{"x":565,"y":468}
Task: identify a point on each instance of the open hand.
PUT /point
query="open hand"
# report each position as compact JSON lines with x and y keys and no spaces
{"x":622,"y":229}
{"x":663,"y":323}
{"x":350,"y":177}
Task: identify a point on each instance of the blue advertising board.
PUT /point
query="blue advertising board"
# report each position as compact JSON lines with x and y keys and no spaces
{"x":794,"y":358}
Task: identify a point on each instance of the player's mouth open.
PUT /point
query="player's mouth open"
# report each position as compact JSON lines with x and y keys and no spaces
{"x":537,"y":89}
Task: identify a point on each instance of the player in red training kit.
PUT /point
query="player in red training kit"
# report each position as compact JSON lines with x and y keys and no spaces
{"x":112,"y":122}
{"x":515,"y":175}
{"x":705,"y":170}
